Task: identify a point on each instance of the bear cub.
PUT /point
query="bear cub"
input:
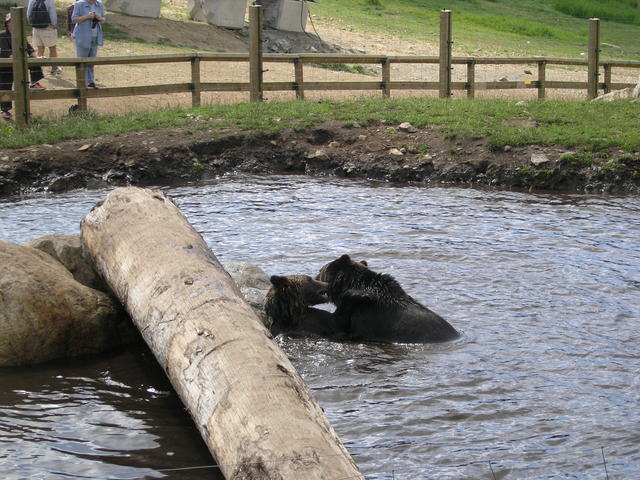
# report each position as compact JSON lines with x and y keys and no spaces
{"x":373,"y":307}
{"x":289,"y":306}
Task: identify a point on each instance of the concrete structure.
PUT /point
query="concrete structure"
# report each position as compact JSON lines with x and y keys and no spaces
{"x":286,"y":15}
{"x":222,"y":13}
{"x":135,"y":8}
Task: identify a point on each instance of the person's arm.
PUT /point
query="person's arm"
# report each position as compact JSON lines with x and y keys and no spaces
{"x":103,"y":17}
{"x":53,"y":15}
{"x":77,"y":18}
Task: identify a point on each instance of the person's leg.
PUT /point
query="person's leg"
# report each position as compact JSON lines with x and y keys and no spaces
{"x":36,"y":36}
{"x":93,"y":52}
{"x":36,"y":74}
{"x":6,"y":83}
{"x":84,"y":52}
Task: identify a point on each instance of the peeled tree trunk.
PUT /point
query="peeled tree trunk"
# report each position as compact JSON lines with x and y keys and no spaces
{"x":253,"y":410}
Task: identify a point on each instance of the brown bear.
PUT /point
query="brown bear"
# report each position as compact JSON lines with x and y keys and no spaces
{"x":373,"y":307}
{"x":288,"y":304}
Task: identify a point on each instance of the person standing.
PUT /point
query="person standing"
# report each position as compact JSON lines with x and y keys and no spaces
{"x":88,"y":16}
{"x":46,"y":36}
{"x":6,"y":73}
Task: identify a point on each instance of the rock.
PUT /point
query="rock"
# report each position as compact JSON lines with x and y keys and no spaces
{"x":67,"y":250}
{"x":395,"y":152}
{"x":507,"y":148}
{"x":139,"y":8}
{"x":84,"y":147}
{"x":46,"y":314}
{"x":253,"y":282}
{"x":407,"y":127}
{"x":631,"y":92}
{"x":334,"y":144}
{"x":521,"y":103}
{"x":538,"y":159}
{"x":321,"y":154}
{"x":223,"y":13}
{"x":503,"y":79}
{"x":362,"y":137}
{"x":66,"y":182}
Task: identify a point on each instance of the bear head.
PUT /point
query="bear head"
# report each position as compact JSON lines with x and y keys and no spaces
{"x":339,"y":267}
{"x":343,"y":274}
{"x":290,"y":295}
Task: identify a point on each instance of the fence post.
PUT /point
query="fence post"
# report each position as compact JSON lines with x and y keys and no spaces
{"x":195,"y":81}
{"x":471,"y":79}
{"x":542,"y":78}
{"x":20,"y":67}
{"x":594,"y":58}
{"x":255,"y":53}
{"x":386,"y":78}
{"x":299,"y":77}
{"x":607,"y":77}
{"x":81,"y":85}
{"x":445,"y":54}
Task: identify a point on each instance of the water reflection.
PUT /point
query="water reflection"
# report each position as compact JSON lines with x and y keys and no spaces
{"x":545,"y":289}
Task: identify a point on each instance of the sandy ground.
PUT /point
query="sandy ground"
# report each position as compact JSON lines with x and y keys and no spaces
{"x":167,"y":34}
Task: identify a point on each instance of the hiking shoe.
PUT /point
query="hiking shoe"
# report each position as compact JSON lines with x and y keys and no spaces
{"x":56,"y":70}
{"x":37,"y":86}
{"x":8,"y":116}
{"x":92,"y":85}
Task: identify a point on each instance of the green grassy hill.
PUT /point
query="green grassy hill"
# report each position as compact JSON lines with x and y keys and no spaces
{"x":505,"y":27}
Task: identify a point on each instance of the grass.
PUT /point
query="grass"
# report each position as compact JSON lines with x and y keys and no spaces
{"x":588,"y":126}
{"x":622,"y":11}
{"x":504,"y":27}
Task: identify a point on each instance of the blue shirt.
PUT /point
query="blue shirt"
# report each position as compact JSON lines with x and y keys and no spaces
{"x":83,"y":33}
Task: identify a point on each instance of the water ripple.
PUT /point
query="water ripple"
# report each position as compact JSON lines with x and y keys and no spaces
{"x":545,"y":288}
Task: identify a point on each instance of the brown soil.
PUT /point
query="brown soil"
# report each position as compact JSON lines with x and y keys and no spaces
{"x":367,"y":151}
{"x":373,"y":151}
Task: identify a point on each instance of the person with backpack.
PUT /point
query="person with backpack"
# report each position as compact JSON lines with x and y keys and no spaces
{"x":43,"y":19}
{"x":6,"y":73}
{"x":88,"y":16}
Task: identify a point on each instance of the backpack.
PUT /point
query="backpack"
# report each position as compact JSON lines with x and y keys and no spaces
{"x":39,"y":15}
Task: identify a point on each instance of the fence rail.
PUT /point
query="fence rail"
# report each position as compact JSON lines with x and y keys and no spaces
{"x":256,"y":86}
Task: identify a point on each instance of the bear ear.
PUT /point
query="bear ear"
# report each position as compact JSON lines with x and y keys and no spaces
{"x":364,"y":262}
{"x":276,"y":280}
{"x":345,"y":259}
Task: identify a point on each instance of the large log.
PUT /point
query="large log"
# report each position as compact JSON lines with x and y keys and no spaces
{"x":250,"y":405}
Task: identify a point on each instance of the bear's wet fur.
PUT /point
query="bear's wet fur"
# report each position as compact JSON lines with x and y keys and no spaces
{"x":373,"y":307}
{"x":289,"y":305}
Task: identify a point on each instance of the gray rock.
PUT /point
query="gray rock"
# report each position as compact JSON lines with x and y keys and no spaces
{"x":67,"y":249}
{"x":538,"y":159}
{"x":253,"y":282}
{"x":136,"y":8}
{"x":407,"y":127}
{"x":46,"y":314}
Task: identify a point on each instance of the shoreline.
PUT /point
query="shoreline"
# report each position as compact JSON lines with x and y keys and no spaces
{"x":333,"y":148}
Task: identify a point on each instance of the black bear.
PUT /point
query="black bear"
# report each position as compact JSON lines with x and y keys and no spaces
{"x":288,"y":304}
{"x":373,"y":306}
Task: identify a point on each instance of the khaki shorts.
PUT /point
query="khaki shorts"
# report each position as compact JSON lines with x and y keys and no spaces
{"x":45,"y":37}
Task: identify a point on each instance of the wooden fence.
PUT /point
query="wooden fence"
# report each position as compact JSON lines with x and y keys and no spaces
{"x":255,"y":85}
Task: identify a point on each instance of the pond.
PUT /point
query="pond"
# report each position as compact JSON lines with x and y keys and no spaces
{"x":544,"y":382}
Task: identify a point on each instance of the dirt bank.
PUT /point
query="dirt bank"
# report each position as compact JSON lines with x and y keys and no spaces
{"x":332,"y":149}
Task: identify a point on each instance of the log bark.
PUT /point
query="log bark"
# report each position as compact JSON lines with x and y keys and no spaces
{"x":250,"y":405}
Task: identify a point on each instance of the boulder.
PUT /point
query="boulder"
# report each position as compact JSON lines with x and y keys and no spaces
{"x":222,"y":13}
{"x":68,"y":251}
{"x":135,"y":8}
{"x":254,"y":285}
{"x":631,"y":92}
{"x":46,"y":314}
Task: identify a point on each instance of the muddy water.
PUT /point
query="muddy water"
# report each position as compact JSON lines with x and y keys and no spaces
{"x":543,"y":384}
